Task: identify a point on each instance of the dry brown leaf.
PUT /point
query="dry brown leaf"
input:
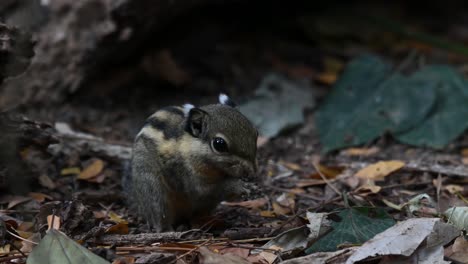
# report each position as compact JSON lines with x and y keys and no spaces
{"x":252,"y":204}
{"x":25,"y":226}
{"x":286,"y":200}
{"x":5,"y":250}
{"x":55,"y":224}
{"x":267,"y":214}
{"x":124,"y":260}
{"x":209,"y":257}
{"x":47,"y":182}
{"x":291,"y":166}
{"x":328,"y":172}
{"x":379,"y":170}
{"x":360,"y":151}
{"x":459,"y":250}
{"x":241,"y":252}
{"x":27,"y":246}
{"x":99,"y":214}
{"x":70,"y":171}
{"x":92,"y":170}
{"x":98,"y":179}
{"x":453,"y":188}
{"x":119,"y":228}
{"x":14,"y":200}
{"x":270,"y":256}
{"x":369,"y":187}
{"x":280,"y":210}
{"x":40,"y":197}
{"x":464,"y":152}
{"x":465,"y":160}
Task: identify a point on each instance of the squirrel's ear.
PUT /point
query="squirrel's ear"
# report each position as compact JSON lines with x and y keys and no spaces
{"x":226,"y":100}
{"x":196,"y":122}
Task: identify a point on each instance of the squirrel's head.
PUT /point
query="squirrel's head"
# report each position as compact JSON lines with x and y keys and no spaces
{"x":230,"y":139}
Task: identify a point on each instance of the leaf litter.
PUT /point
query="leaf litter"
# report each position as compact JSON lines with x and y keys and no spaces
{"x":278,"y":223}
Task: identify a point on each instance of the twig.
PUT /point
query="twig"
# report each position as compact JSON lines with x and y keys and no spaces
{"x":325,"y":179}
{"x":20,"y":238}
{"x":190,"y":252}
{"x":297,"y":194}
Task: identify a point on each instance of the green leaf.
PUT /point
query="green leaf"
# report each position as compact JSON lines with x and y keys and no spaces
{"x":449,"y":118}
{"x":369,"y":100}
{"x":356,"y":226}
{"x":57,"y":248}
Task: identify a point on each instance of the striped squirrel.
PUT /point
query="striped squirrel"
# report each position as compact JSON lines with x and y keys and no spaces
{"x":187,"y":159}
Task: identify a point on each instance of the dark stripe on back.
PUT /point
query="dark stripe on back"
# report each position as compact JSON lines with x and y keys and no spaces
{"x":173,"y":110}
{"x":169,"y":131}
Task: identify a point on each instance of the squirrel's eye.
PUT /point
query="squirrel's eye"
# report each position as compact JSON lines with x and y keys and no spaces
{"x":219,"y":144}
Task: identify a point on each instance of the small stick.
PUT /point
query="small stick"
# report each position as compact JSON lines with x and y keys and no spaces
{"x":20,"y":238}
{"x":325,"y":179}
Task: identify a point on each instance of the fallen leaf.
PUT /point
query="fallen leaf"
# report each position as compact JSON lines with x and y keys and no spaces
{"x":371,"y":99}
{"x":268,"y":256}
{"x":92,"y":170}
{"x":327,"y":171}
{"x":57,"y":248}
{"x":338,"y":256}
{"x":405,"y":238}
{"x":47,"y":182}
{"x":457,"y":216}
{"x":369,"y":187}
{"x":286,"y":200}
{"x":360,"y":151}
{"x":40,"y":197}
{"x":278,"y":105}
{"x":464,"y":152}
{"x":209,"y":257}
{"x":453,"y":188}
{"x":267,"y":214}
{"x":99,"y":214}
{"x":280,"y":210}
{"x":465,"y":160}
{"x":318,"y":225}
{"x":327,"y":78}
{"x":124,"y":260}
{"x":4,"y":250}
{"x":27,"y":246}
{"x":53,"y":222}
{"x":70,"y":171}
{"x":459,"y":250}
{"x":252,"y":204}
{"x":25,"y":226}
{"x":119,"y":228}
{"x":291,"y":166}
{"x":378,"y":171}
{"x":356,"y":225}
{"x":14,"y":200}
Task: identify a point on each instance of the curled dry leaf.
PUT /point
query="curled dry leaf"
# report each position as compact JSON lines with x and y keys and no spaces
{"x":369,"y":187}
{"x":422,"y":205}
{"x":378,"y":171}
{"x":92,"y":170}
{"x":119,"y":228}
